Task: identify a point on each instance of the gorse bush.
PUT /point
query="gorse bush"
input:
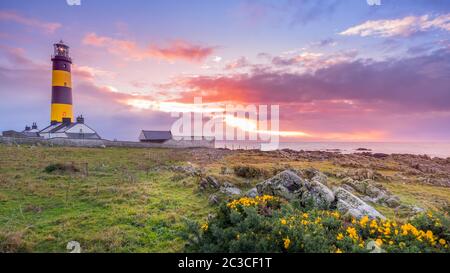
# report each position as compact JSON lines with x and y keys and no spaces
{"x":269,"y":224}
{"x":61,"y":168}
{"x":250,"y":172}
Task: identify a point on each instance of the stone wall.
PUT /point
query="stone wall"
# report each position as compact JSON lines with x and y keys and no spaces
{"x":106,"y":143}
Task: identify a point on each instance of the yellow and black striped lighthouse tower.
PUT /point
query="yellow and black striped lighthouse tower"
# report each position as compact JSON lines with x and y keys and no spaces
{"x":61,"y":109}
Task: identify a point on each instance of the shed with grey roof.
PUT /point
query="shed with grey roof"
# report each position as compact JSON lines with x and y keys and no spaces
{"x":155,"y":136}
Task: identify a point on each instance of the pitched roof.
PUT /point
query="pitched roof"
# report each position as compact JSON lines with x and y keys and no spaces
{"x":157,"y":135}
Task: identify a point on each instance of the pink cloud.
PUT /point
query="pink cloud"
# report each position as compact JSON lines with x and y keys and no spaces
{"x":11,"y":16}
{"x":176,"y":50}
{"x":406,"y":26}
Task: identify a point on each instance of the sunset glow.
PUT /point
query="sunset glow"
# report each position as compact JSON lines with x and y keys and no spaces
{"x":381,"y":75}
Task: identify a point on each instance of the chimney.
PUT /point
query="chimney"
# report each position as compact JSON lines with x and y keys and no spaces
{"x":27,"y":128}
{"x":66,"y":121}
{"x":34,"y":126}
{"x":80,"y":119}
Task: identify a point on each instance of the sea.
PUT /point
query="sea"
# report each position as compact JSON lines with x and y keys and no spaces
{"x":432,"y":149}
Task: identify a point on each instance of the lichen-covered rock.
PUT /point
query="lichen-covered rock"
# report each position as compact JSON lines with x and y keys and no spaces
{"x":392,"y":202}
{"x":230,"y":190}
{"x":322,"y":196}
{"x":213,"y":199}
{"x":290,"y":186}
{"x":252,"y":193}
{"x":285,"y":184}
{"x":351,"y":204}
{"x":209,"y":182}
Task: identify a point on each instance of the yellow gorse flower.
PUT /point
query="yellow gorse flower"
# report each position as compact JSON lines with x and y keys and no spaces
{"x":352,"y":233}
{"x":379,"y":242}
{"x":286,"y":243}
{"x":364,"y":221}
{"x":247,"y":201}
{"x":204,"y":227}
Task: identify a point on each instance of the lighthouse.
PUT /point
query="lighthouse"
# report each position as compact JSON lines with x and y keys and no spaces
{"x":62,"y":122}
{"x":61,"y":108}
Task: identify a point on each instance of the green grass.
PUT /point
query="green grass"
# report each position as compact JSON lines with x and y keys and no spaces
{"x":121,"y":206}
{"x":128,"y":201}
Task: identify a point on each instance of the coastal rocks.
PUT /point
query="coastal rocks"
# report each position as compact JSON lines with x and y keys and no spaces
{"x":230,"y":190}
{"x":392,"y":202}
{"x":372,"y":192}
{"x":320,"y":194}
{"x":290,"y":186}
{"x":408,"y":210}
{"x":188,"y":170}
{"x":349,"y":203}
{"x":252,"y":193}
{"x":213,"y":199}
{"x":442,"y":182}
{"x":286,"y":184}
{"x":361,"y":174}
{"x":209,"y":182}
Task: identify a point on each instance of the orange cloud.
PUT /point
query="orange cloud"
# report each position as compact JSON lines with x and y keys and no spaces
{"x":30,"y":22}
{"x":176,"y":50}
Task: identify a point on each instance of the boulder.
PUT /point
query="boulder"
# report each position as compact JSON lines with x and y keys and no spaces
{"x":373,"y":191}
{"x":252,"y":193}
{"x":290,"y":186}
{"x":209,"y":182}
{"x":285,"y":184}
{"x":320,"y":178}
{"x":349,"y":203}
{"x":213,"y":199}
{"x":359,"y":186}
{"x":322,"y":196}
{"x":230,"y":190}
{"x":392,"y":201}
{"x":408,"y":210}
{"x":348,"y":188}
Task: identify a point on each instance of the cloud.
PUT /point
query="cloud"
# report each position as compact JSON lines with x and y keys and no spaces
{"x":415,"y":84}
{"x":12,"y":16}
{"x":239,"y":63}
{"x":404,"y":27}
{"x":176,"y":50}
{"x":312,"y":61}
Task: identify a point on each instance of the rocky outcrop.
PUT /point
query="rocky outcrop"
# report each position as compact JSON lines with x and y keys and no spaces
{"x":230,"y":190}
{"x":371,"y":192}
{"x":286,"y":184}
{"x":348,"y":203}
{"x":291,"y":186}
{"x":361,"y":174}
{"x":209,"y":182}
{"x":188,"y":170}
{"x":252,"y":193}
{"x":213,"y":199}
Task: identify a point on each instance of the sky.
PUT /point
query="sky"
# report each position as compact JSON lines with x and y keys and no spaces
{"x":340,"y":70}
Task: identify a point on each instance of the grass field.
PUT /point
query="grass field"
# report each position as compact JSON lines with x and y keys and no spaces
{"x":120,"y":205}
{"x":128,"y":199}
